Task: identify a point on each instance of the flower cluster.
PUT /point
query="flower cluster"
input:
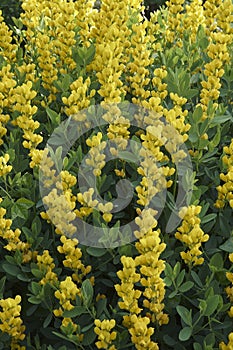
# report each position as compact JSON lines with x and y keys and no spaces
{"x":194,"y":17}
{"x":126,"y":290}
{"x":111,"y":34}
{"x":96,"y":158}
{"x":225,"y":191}
{"x":66,"y":293}
{"x":105,"y":336}
{"x":229,"y":290}
{"x":141,"y":333}
{"x":46,"y":266}
{"x":8,"y":50}
{"x":13,"y":237}
{"x":151,"y":267}
{"x":4,"y":168}
{"x":60,"y":211}
{"x":72,"y":259}
{"x":11,"y":323}
{"x":79,"y":97}
{"x":175,"y":16}
{"x":191,"y":234}
{"x":141,"y":59}
{"x":217,"y":13}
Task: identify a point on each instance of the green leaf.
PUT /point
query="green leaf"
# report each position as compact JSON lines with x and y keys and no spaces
{"x":12,"y":270}
{"x":197,"y":346}
{"x":53,"y":116}
{"x":186,"y":286}
{"x":66,"y":82}
{"x":36,"y":288}
{"x":76,"y":311}
{"x":34,"y":300}
{"x":185,"y":314}
{"x":37,"y":273}
{"x":208,"y":218}
{"x":47,"y":320}
{"x":220,"y":119}
{"x":89,"y":337}
{"x":180,"y":278}
{"x":212,"y":304}
{"x":20,"y":208}
{"x":204,"y":42}
{"x":185,"y":333}
{"x":216,"y":261}
{"x":128,"y":156}
{"x":101,"y":307}
{"x":227,"y":246}
{"x":193,"y":135}
{"x":97,"y":252}
{"x":197,"y":114}
{"x":87,"y":292}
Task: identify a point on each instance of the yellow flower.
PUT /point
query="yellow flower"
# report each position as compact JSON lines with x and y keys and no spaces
{"x":46,"y":265}
{"x":191,"y":234}
{"x":105,"y":336}
{"x":66,"y":294}
{"x":4,"y":168}
{"x":225,"y":191}
{"x":72,"y":259}
{"x":126,"y":290}
{"x":141,"y":333}
{"x":228,"y":346}
{"x":11,"y":322}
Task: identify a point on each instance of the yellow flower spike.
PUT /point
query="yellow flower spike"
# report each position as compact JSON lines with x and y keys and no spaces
{"x":11,"y":322}
{"x":191,"y":235}
{"x":105,"y":336}
{"x":225,"y":191}
{"x":140,"y":333}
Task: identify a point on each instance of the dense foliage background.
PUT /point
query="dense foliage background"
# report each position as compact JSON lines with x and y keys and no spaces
{"x":164,"y":289}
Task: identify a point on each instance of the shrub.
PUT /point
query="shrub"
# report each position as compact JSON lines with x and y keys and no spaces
{"x":90,"y":97}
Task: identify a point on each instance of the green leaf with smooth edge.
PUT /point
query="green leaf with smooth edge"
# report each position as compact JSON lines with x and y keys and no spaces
{"x":20,"y":208}
{"x":220,"y":119}
{"x":76,"y":311}
{"x":212,"y":304}
{"x":53,"y":116}
{"x":216,"y":261}
{"x":208,"y":218}
{"x":36,"y":287}
{"x":172,"y":294}
{"x":101,"y":307}
{"x":89,"y":337}
{"x":185,"y":314}
{"x":34,"y":300}
{"x":97,"y":252}
{"x":186,"y":286}
{"x":128,"y":156}
{"x":12,"y":270}
{"x":190,"y":93}
{"x":193,"y":135}
{"x":180,"y":278}
{"x":176,"y":269}
{"x":47,"y":320}
{"x":197,"y":114}
{"x":197,"y":346}
{"x":87,"y":292}
{"x":185,"y":333}
{"x":227,"y":246}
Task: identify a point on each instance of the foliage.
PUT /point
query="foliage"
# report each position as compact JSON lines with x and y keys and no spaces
{"x":164,"y":289}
